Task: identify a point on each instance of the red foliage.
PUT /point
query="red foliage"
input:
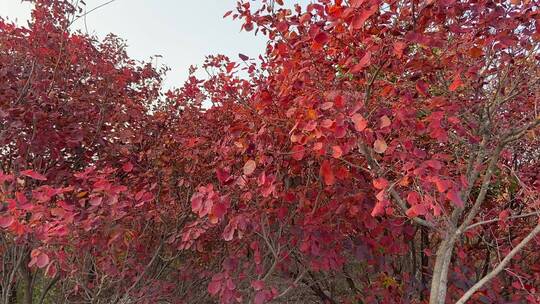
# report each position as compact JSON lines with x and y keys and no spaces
{"x":356,"y":146}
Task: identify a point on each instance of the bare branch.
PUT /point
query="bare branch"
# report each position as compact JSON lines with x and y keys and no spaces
{"x":48,"y":288}
{"x":499,"y":267}
{"x":498,"y":219}
{"x":93,"y":9}
{"x":486,"y":181}
{"x":142,"y":274}
{"x":516,"y":133}
{"x":292,"y":285}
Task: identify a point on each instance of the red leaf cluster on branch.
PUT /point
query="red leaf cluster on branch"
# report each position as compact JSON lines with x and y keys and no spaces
{"x":382,"y":152}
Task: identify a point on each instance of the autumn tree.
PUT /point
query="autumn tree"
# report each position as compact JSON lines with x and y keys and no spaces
{"x":378,"y":152}
{"x":425,"y":113}
{"x":73,"y":112}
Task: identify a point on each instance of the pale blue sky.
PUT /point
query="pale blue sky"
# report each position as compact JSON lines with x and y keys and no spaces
{"x":182,"y":31}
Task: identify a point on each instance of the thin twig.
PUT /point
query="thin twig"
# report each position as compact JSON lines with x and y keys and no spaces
{"x":498,"y":219}
{"x":499,"y":267}
{"x":94,"y":9}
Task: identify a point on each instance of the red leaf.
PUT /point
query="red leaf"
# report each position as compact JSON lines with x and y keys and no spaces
{"x":39,"y":258}
{"x":260,"y":297}
{"x":476,"y":52}
{"x":399,"y":47}
{"x":378,"y":210}
{"x":422,"y":87}
{"x":456,"y":84}
{"x":196,"y":202}
{"x":442,"y":185}
{"x":257,"y":284}
{"x":230,"y":284}
{"x":310,"y":126}
{"x":363,"y":63}
{"x":127,"y":167}
{"x":282,"y":27}
{"x":337,"y":152}
{"x":366,"y":59}
{"x":321,"y":38}
{"x":214,"y":287}
{"x":435,"y":164}
{"x":228,"y":232}
{"x":243,"y":57}
{"x":227,"y":14}
{"x":6,"y":221}
{"x":359,"y":19}
{"x":42,"y":260}
{"x":298,"y":152}
{"x":249,"y":167}
{"x":21,"y":198}
{"x":413,"y":198}
{"x":327,"y":105}
{"x":327,"y":174}
{"x":96,"y":201}
{"x":380,"y":183}
{"x":339,"y":101}
{"x":327,"y":123}
{"x":356,"y":3}
{"x":360,"y":123}
{"x":503,"y":216}
{"x":230,"y":66}
{"x":219,"y":209}
{"x":34,"y":175}
{"x":340,"y":132}
{"x":222,"y":175}
{"x":454,"y":197}
{"x":416,"y":210}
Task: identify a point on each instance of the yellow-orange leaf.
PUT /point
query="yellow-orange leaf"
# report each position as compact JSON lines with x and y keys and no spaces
{"x":385,"y":122}
{"x":337,"y":152}
{"x":249,"y":167}
{"x":360,"y":123}
{"x":380,"y":146}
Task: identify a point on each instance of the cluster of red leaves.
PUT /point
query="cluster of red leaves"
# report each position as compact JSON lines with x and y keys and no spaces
{"x":357,"y":125}
{"x":71,"y":105}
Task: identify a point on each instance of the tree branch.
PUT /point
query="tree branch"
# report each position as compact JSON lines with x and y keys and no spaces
{"x":486,"y":181}
{"x":518,"y":132}
{"x":48,"y":288}
{"x":292,"y":285}
{"x":498,"y":219}
{"x":499,"y":267}
{"x":143,"y":273}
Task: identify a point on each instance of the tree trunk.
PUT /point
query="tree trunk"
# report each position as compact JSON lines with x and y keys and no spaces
{"x":439,"y":281}
{"x":27,"y":280}
{"x":13,"y":294}
{"x":424,"y":263}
